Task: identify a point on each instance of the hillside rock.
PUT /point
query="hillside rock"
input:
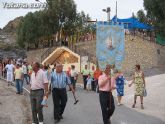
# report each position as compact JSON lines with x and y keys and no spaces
{"x":8,"y":45}
{"x":14,"y":53}
{"x":12,"y":25}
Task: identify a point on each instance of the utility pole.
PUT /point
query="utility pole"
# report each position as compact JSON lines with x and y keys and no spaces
{"x":116,"y":11}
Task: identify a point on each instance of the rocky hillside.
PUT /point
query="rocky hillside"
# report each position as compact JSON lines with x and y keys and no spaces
{"x":12,"y":25}
{"x":8,"y":33}
{"x":8,"y":47}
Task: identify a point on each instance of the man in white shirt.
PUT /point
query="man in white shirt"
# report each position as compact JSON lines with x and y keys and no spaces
{"x":74,"y":76}
{"x":10,"y":71}
{"x":38,"y":89}
{"x":25,"y":72}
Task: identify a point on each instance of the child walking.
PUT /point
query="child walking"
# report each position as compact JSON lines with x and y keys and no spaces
{"x":89,"y":82}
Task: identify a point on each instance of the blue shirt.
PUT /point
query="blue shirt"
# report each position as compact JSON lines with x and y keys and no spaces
{"x":59,"y":80}
{"x":47,"y":75}
{"x":89,"y":80}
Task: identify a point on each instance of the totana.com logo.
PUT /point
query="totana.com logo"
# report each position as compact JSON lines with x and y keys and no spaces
{"x":24,"y":5}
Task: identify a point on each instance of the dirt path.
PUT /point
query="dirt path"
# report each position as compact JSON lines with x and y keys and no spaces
{"x":14,"y":109}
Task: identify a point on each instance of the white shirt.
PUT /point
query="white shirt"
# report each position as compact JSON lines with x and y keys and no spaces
{"x":24,"y":69}
{"x":38,"y":80}
{"x":9,"y":68}
{"x":73,"y":73}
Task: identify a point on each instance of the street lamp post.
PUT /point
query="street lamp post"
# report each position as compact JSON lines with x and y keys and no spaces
{"x":108,"y":10}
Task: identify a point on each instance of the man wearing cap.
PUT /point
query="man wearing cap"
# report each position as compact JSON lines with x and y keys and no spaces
{"x":59,"y":81}
{"x":38,"y":89}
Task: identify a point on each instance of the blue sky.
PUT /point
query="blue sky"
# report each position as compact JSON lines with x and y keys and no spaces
{"x":92,"y":7}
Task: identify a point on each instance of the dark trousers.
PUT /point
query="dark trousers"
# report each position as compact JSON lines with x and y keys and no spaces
{"x":25,"y":77}
{"x":73,"y":81}
{"x":93,"y":85}
{"x":107,"y":105}
{"x":59,"y":101}
{"x":85,"y":81}
{"x":96,"y":85}
{"x":36,"y":97}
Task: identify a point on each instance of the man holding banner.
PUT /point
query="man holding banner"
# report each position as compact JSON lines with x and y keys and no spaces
{"x":106,"y":85}
{"x":109,"y":51}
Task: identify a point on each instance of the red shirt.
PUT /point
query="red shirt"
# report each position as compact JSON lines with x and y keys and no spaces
{"x":97,"y":74}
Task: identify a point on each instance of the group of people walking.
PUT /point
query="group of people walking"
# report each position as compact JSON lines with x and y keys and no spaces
{"x":42,"y":83}
{"x":104,"y":80}
{"x":16,"y":70}
{"x":90,"y":78}
{"x":109,"y":80}
{"x":44,"y":80}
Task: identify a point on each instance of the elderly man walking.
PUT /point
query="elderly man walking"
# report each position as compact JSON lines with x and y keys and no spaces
{"x":59,"y":81}
{"x":38,"y":89}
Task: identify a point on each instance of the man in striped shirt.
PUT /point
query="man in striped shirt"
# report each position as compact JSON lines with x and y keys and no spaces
{"x":59,"y":81}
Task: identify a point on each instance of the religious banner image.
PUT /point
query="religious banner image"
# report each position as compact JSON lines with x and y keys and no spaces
{"x":110,"y":44}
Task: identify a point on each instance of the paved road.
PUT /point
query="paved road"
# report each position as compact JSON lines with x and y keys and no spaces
{"x":87,"y":111}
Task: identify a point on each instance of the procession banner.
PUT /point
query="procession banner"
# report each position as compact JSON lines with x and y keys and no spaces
{"x":110,"y":44}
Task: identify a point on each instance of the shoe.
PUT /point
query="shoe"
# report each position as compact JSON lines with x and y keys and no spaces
{"x":41,"y":123}
{"x":17,"y":92}
{"x":133,"y":106}
{"x":142,"y":107}
{"x":61,"y":117}
{"x":33,"y":123}
{"x":57,"y":120}
{"x":118,"y":104}
{"x":109,"y":122}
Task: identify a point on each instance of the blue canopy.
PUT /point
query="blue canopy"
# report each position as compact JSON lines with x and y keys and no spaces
{"x":132,"y":23}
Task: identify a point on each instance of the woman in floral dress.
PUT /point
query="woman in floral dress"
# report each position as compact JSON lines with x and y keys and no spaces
{"x":139,"y":81}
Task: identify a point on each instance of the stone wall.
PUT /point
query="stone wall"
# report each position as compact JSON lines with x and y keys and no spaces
{"x":35,"y":55}
{"x":161,"y":55}
{"x":137,"y":51}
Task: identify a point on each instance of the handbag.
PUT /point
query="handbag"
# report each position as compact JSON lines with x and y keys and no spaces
{"x":144,"y":92}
